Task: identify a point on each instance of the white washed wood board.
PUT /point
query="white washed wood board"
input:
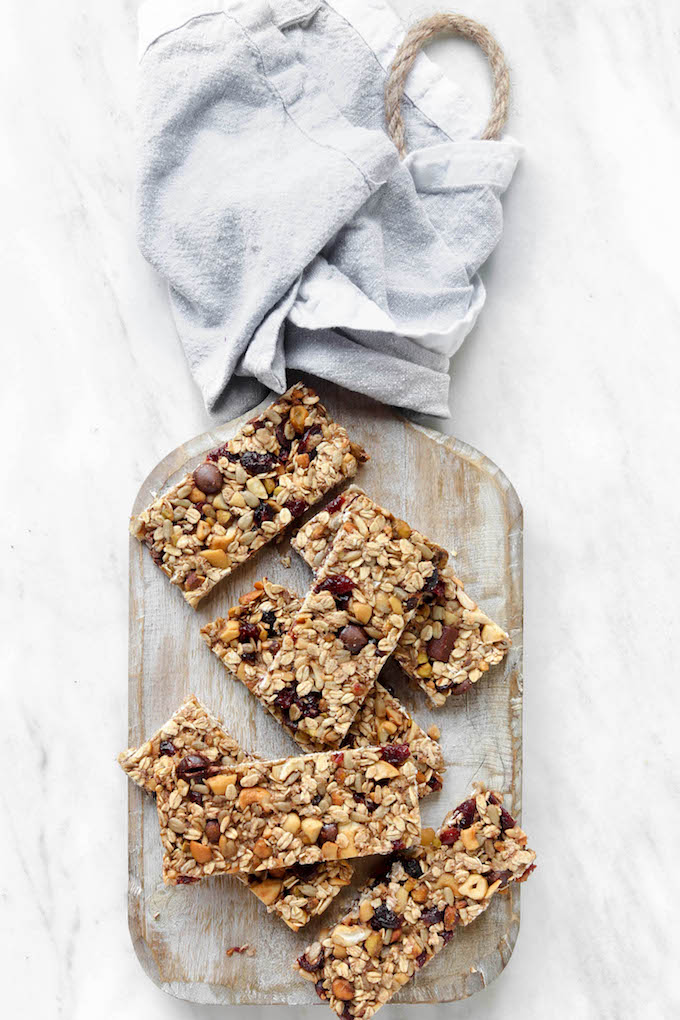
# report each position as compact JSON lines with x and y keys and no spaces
{"x":459,"y":498}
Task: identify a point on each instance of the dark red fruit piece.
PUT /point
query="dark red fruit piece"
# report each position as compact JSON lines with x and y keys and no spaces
{"x":440,"y":648}
{"x":411,"y":602}
{"x":395,"y":754}
{"x":434,"y":584}
{"x":338,"y":757}
{"x":167,"y":747}
{"x":306,"y":442}
{"x":398,"y":844}
{"x":269,"y":618}
{"x":309,"y":705}
{"x":283,"y":442}
{"x":461,"y":688}
{"x":434,"y":782}
{"x":304,"y":963}
{"x":385,"y":918}
{"x":222,"y":451}
{"x":185,"y":880}
{"x":447,"y":936}
{"x":212,"y":830}
{"x":248,"y":632}
{"x":335,"y":504}
{"x":296,"y":506}
{"x":495,"y":876}
{"x":412,"y":867}
{"x":263,"y":512}
{"x":248,"y":657}
{"x":258,"y":463}
{"x":465,"y":812}
{"x":422,"y":959}
{"x":449,"y":836}
{"x":507,"y":821}
{"x":524,"y":877}
{"x":316,"y":799}
{"x":320,"y":990}
{"x":328,"y":833}
{"x":285,"y":698}
{"x":353,"y":637}
{"x":193,"y":581}
{"x":336,"y":584}
{"x":208,"y":478}
{"x":192,"y":766}
{"x":305,"y":871}
{"x":432,"y":916}
{"x":195,"y":797}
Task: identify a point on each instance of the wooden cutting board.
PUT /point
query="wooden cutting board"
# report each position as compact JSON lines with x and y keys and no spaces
{"x":460,"y":499}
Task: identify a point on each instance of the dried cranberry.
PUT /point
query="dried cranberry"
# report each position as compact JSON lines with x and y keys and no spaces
{"x":398,"y":844}
{"x":328,"y":833}
{"x":335,"y":504}
{"x":432,"y":916}
{"x":434,"y":585}
{"x":304,"y":963}
{"x":195,"y":797}
{"x":296,"y":506}
{"x":338,"y":757}
{"x":347,"y":1013}
{"x":192,"y":766}
{"x":167,"y":747}
{"x":336,"y":584}
{"x":498,"y":876}
{"x":385,"y":918}
{"x":449,"y":836}
{"x":263,"y":512}
{"x":439,"y":649}
{"x":353,"y":638}
{"x":395,"y":754}
{"x":305,"y":871}
{"x":304,"y":444}
{"x":447,"y":936}
{"x":285,"y":698}
{"x":222,"y":451}
{"x":269,"y":618}
{"x":316,"y":799}
{"x":283,"y":441}
{"x":524,"y":876}
{"x":412,"y":867}
{"x":507,"y":821}
{"x":257,"y":463}
{"x":466,"y":811}
{"x":208,"y":478}
{"x":320,"y":990}
{"x":193,"y":581}
{"x":248,"y":632}
{"x":249,"y":657}
{"x":411,"y":602}
{"x":461,"y":688}
{"x":422,"y":959}
{"x":434,"y":782}
{"x":185,"y":880}
{"x":309,"y":705}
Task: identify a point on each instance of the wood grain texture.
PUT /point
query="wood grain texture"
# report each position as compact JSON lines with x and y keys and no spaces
{"x":460,"y":499}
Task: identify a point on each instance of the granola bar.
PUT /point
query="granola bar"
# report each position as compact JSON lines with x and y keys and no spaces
{"x":246,"y":492}
{"x":365,"y":593}
{"x":449,"y":644}
{"x":279,"y":814}
{"x":405,"y":917}
{"x":194,"y":734}
{"x":246,"y":643}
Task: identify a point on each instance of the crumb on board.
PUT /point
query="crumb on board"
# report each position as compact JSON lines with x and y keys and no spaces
{"x":246,"y":950}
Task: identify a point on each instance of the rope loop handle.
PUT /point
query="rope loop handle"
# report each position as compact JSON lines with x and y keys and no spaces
{"x":415,"y":39}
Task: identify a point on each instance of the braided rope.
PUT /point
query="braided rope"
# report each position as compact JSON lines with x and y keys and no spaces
{"x":415,"y":39}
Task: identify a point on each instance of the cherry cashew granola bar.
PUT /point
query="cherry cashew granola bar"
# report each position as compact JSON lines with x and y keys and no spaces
{"x":449,"y":643}
{"x":193,"y":742}
{"x":246,"y":643}
{"x":278,"y":814}
{"x":405,"y":917}
{"x":246,"y":492}
{"x":364,"y":594}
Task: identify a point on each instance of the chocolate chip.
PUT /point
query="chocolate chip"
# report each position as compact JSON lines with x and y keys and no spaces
{"x":193,"y":581}
{"x":208,"y":478}
{"x":212,"y":830}
{"x":353,"y":638}
{"x":328,"y":833}
{"x":440,"y":648}
{"x":192,"y":766}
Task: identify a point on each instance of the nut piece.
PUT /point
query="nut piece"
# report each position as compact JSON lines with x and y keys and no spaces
{"x":262,"y":849}
{"x":475,"y":887}
{"x":341,"y":988}
{"x":383,"y":770}
{"x":469,"y":838}
{"x":267,"y":891}
{"x":492,"y":632}
{"x":230,"y":632}
{"x":291,"y":823}
{"x":349,"y":935}
{"x":311,"y":827}
{"x":218,"y":784}
{"x":365,"y":910}
{"x":450,"y":918}
{"x":419,"y":894}
{"x":254,"y":795}
{"x":200,"y":853}
{"x":374,"y":944}
{"x":447,"y":881}
{"x":212,"y":830}
{"x":216,"y":558}
{"x":361,"y":611}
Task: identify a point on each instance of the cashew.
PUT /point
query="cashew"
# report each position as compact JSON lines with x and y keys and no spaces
{"x":361,"y":611}
{"x":349,"y":934}
{"x":262,"y":849}
{"x":218,"y":784}
{"x":230,"y":632}
{"x":216,"y":558}
{"x":365,"y":910}
{"x":268,"y":890}
{"x":311,"y":827}
{"x":383,"y":770}
{"x":374,"y":944}
{"x":447,"y":881}
{"x":200,"y":853}
{"x":469,"y":838}
{"x":253,"y":795}
{"x":291,"y":823}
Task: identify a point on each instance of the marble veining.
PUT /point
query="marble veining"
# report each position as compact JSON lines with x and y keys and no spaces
{"x":569,"y":382}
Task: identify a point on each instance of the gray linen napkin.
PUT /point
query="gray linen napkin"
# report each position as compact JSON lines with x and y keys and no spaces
{"x":274,"y":204}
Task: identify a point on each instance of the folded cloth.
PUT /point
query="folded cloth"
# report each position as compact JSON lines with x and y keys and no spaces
{"x":273,"y":202}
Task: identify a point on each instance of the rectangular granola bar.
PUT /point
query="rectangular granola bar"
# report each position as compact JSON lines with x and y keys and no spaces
{"x":304,"y":810}
{"x":405,"y":917}
{"x":193,"y":733}
{"x":449,"y":643}
{"x":365,"y":593}
{"x":246,"y":643}
{"x":246,"y":492}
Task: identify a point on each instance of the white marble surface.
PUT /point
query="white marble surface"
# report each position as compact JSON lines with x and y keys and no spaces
{"x":569,"y":382}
